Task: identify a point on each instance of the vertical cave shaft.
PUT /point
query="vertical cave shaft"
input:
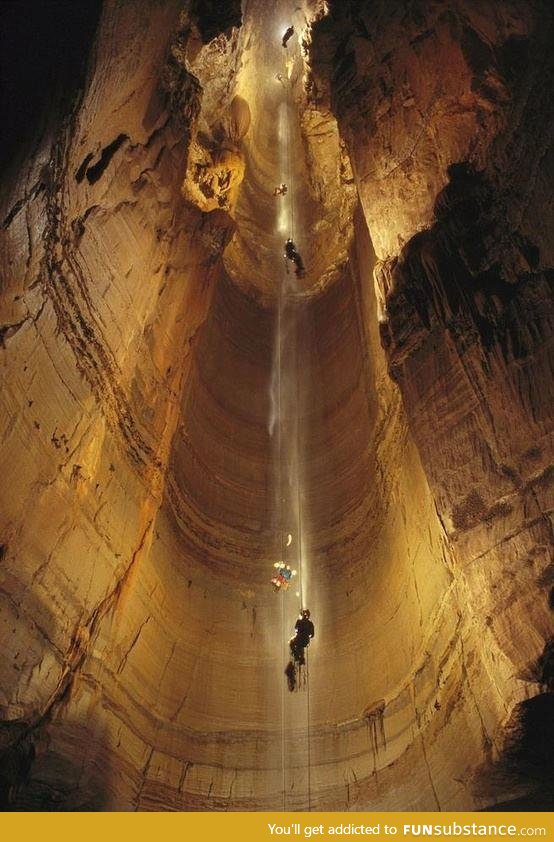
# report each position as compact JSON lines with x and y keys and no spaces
{"x":175,"y":405}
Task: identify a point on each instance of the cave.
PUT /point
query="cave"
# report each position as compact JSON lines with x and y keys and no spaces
{"x":183,"y":407}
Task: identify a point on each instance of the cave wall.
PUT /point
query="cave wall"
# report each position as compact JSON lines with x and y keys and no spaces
{"x":453,"y":169}
{"x":408,"y":671}
{"x":106,"y":277}
{"x":138,"y":503}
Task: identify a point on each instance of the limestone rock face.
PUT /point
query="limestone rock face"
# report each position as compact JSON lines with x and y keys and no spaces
{"x":178,"y":413}
{"x":417,"y":87}
{"x":213,"y":180}
{"x":451,"y":171}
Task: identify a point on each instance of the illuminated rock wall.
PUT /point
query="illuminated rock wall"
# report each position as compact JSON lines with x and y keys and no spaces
{"x":141,"y":258}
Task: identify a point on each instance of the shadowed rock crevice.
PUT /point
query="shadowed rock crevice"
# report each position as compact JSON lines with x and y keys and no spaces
{"x":44,"y":53}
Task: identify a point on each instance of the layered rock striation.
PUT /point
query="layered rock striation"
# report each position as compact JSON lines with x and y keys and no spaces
{"x":142,"y":298}
{"x":464,"y":276}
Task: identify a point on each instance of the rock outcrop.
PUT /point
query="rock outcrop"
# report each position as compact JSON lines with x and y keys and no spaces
{"x":451,"y":172}
{"x":142,"y":466}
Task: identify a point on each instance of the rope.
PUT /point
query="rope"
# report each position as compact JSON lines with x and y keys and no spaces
{"x":298,"y":494}
{"x":308,"y":732}
{"x":290,"y":183}
{"x":280,"y":521}
{"x":301,"y":576}
{"x":280,"y":489}
{"x":290,"y":112}
{"x":289,"y":157}
{"x":280,"y":527}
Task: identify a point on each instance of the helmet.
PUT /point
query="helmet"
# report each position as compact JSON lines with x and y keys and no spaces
{"x":305,"y":612}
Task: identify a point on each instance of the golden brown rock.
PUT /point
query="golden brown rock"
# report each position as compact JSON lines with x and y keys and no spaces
{"x":174,"y":404}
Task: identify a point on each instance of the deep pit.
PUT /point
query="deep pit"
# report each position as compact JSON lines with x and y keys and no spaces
{"x":180,"y":411}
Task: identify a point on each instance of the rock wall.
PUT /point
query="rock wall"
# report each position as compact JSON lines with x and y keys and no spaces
{"x":107,"y":275}
{"x":452,"y":172}
{"x":141,"y":262}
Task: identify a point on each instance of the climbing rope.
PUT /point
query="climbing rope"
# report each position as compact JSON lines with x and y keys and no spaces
{"x":284,"y":484}
{"x":308,"y":732}
{"x":291,"y":194}
{"x":290,"y":174}
{"x":301,"y":577}
{"x":280,"y":524}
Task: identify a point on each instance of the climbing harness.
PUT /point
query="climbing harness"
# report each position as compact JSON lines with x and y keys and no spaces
{"x":283,"y":576}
